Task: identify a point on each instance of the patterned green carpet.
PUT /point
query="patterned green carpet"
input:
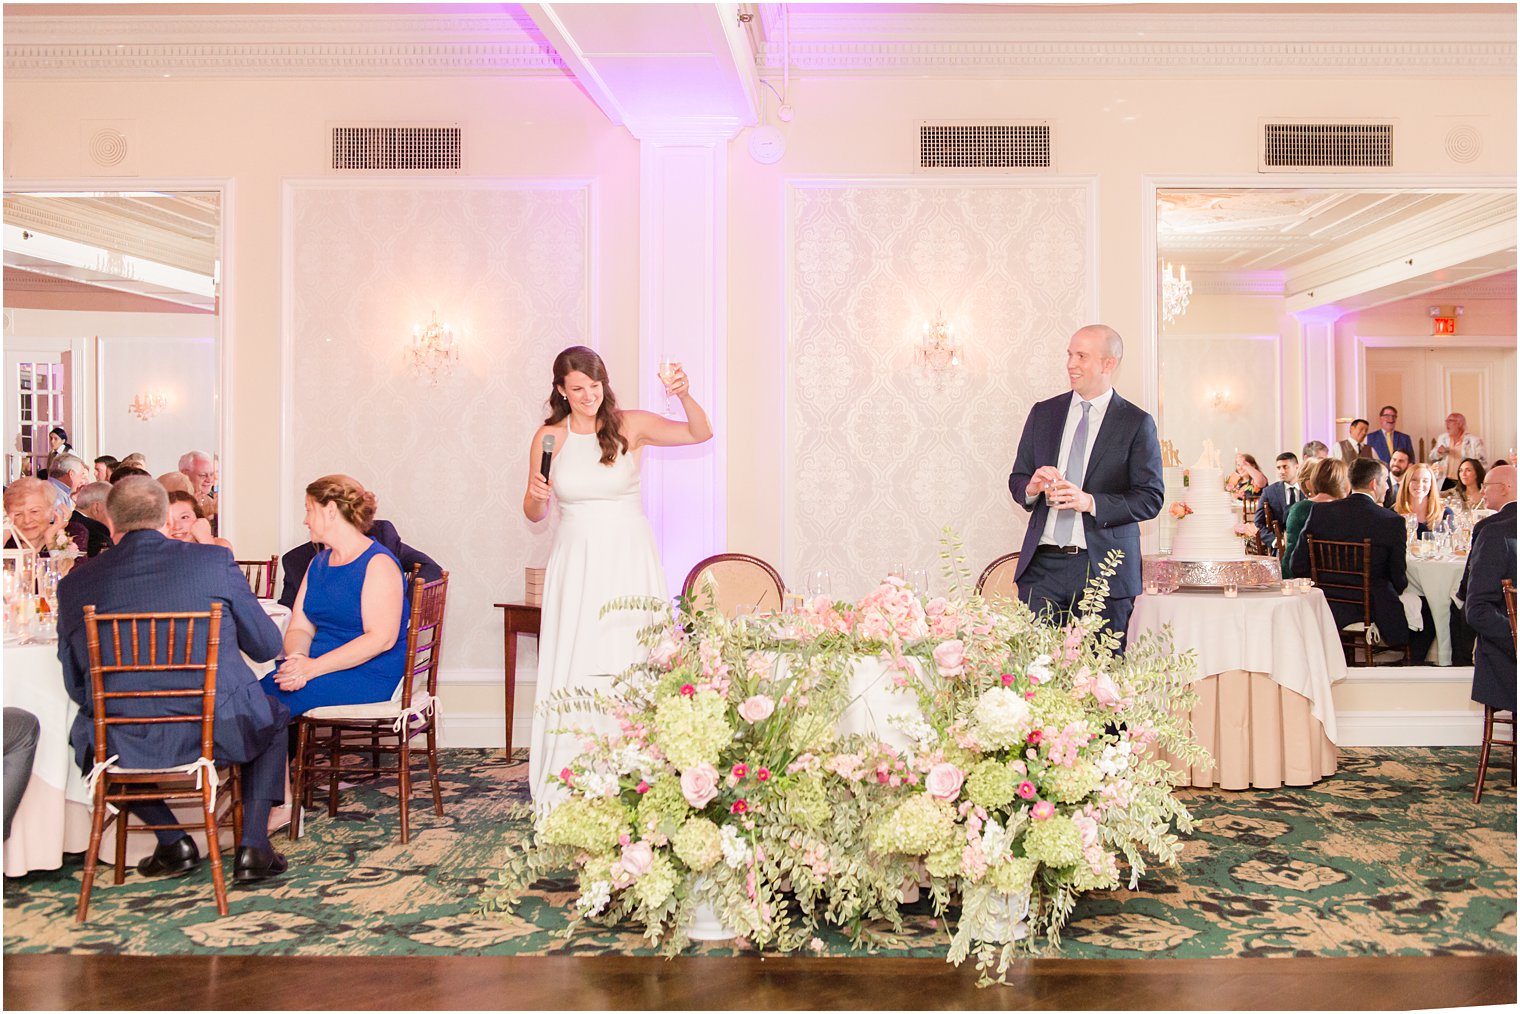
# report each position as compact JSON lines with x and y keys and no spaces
{"x":1389,"y":857}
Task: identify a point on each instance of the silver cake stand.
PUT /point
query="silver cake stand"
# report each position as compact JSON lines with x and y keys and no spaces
{"x":1251,"y":572}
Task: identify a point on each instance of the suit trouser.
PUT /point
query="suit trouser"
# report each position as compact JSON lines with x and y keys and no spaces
{"x":1052,"y":584}
{"x":21,"y":733}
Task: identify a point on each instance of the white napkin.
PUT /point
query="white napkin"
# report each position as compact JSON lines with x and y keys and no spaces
{"x":1411,"y":603}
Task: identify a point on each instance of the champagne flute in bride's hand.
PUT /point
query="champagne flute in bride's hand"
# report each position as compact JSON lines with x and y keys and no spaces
{"x":669,"y":370}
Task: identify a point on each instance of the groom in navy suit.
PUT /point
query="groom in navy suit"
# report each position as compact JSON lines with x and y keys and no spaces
{"x":147,"y":572}
{"x":1088,"y":470}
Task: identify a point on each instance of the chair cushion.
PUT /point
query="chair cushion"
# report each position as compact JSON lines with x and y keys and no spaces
{"x":376,"y":711}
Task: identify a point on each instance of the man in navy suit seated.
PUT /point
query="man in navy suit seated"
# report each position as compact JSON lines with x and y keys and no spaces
{"x":147,"y":572}
{"x":1498,"y":496}
{"x":1362,"y":516}
{"x":1277,"y":498}
{"x":1088,"y":470}
{"x":1491,"y":562}
{"x":294,"y":563}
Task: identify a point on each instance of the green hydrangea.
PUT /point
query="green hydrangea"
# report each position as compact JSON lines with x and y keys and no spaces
{"x":692,"y":730}
{"x":992,"y":784}
{"x":698,"y":843}
{"x":591,"y":825}
{"x":597,"y":868}
{"x":945,"y":862}
{"x":1084,"y":879}
{"x":654,"y":887}
{"x":1054,"y":707}
{"x":917,"y":826}
{"x":664,"y":806}
{"x":1054,"y":842}
{"x":807,"y":801}
{"x":1013,"y":875}
{"x":1073,"y":784}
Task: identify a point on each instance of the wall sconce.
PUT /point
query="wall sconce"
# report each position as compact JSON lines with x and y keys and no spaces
{"x":1219,"y":400}
{"x":432,"y":352}
{"x":1176,"y":290}
{"x":146,"y":406}
{"x":938,"y":350}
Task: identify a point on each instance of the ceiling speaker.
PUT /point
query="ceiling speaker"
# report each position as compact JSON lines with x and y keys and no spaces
{"x":109,"y":147}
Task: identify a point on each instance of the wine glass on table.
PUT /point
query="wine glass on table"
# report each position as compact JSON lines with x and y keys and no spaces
{"x":819,"y":583}
{"x":669,"y":369}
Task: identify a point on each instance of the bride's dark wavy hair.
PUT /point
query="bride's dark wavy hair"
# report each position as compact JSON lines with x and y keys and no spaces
{"x":609,"y":418}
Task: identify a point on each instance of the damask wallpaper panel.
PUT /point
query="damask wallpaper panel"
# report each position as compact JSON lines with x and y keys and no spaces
{"x":881,"y":453}
{"x":507,"y":265}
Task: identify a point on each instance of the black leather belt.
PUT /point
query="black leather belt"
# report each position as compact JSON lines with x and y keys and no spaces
{"x":1063,"y":550}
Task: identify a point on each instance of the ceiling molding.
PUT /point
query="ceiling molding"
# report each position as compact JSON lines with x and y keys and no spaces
{"x":1238,"y":283}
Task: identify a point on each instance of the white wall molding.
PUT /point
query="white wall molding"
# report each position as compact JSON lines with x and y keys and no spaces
{"x":1409,"y":728}
{"x":1462,"y":674}
{"x":476,"y":729}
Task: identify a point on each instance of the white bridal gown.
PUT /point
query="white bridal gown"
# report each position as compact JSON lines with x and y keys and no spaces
{"x":603,"y":549}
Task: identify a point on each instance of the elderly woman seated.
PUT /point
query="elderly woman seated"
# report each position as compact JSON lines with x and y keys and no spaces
{"x":38,"y":521}
{"x":186,"y":524}
{"x":346,"y":643}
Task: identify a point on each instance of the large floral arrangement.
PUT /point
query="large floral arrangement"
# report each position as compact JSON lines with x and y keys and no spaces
{"x":1024,"y":767}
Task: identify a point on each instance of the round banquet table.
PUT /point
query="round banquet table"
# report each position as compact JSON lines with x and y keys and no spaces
{"x":54,"y":814}
{"x":1436,"y":582}
{"x":1265,"y":665}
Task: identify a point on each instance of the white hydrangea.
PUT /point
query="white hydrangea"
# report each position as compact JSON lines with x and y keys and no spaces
{"x":916,"y":728}
{"x":995,"y":842}
{"x":1039,"y":671}
{"x":1116,"y":758}
{"x":628,"y":758}
{"x":594,"y":898}
{"x":596,"y":784}
{"x":1002,"y":717}
{"x":736,"y":851}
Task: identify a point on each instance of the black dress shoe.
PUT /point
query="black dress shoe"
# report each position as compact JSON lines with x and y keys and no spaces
{"x":256,"y":862}
{"x":173,"y":860}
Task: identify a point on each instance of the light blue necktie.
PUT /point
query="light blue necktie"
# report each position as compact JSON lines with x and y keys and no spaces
{"x":1076,"y":465}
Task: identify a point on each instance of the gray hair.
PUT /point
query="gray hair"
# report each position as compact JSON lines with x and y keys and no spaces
{"x":189,"y":458}
{"x":1113,"y":345}
{"x":67,"y":463}
{"x":1314,"y":448}
{"x":137,"y":502}
{"x":91,"y":494}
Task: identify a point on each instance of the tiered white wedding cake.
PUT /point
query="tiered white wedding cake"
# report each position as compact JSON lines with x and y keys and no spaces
{"x":1207,"y":532}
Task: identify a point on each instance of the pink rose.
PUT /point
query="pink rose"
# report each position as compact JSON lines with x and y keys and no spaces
{"x":699,"y":785}
{"x":944,"y":781}
{"x":757,"y":708}
{"x":1106,"y":691}
{"x":637,"y":858}
{"x":950,"y":656}
{"x":664,"y":652}
{"x":1043,"y":810}
{"x":642,"y":787}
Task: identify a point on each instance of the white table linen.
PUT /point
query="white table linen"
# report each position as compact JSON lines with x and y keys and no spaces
{"x":1436,"y":582}
{"x":1292,"y":638}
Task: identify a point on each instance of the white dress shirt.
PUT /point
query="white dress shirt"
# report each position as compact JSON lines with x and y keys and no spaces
{"x":1094,"y":424}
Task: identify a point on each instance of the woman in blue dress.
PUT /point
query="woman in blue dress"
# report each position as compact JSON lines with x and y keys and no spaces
{"x":346,"y":643}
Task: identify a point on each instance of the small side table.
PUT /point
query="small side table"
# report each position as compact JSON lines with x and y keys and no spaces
{"x":516,"y":618}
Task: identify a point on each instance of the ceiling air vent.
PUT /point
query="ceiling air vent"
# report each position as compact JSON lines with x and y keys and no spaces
{"x":1002,"y":145}
{"x":1326,"y":146}
{"x":391,"y":148}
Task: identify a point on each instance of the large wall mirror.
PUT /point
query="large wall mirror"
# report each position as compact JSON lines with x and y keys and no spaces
{"x":112,"y":328}
{"x":1310,"y":307}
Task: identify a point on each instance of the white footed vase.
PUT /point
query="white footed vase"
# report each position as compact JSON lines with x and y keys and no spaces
{"x":705,"y":923}
{"x":995,"y":916}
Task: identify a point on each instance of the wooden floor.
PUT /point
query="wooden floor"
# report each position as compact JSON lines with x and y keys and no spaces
{"x":104,"y":982}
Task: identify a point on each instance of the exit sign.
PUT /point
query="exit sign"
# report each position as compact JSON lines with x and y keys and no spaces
{"x":1444,"y":325}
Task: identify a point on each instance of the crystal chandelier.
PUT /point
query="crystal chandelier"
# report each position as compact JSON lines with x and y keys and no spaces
{"x":1176,"y":290}
{"x":938,"y":350}
{"x":432,"y":352}
{"x":146,"y":406}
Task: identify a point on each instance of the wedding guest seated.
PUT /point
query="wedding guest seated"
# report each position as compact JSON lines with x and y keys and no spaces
{"x":176,"y":482}
{"x":147,"y":572}
{"x":1316,"y":449}
{"x":104,"y":466}
{"x":1492,"y":562}
{"x":1465,"y":493}
{"x":1322,"y":480}
{"x":346,"y":643}
{"x":1450,"y":448}
{"x":1247,"y":480}
{"x":90,"y":500}
{"x":200,"y":469}
{"x":1277,"y":498}
{"x":124,"y":470}
{"x":22,"y":732}
{"x":1398,"y":465}
{"x":37,"y":520}
{"x":294,"y":563}
{"x":1417,"y":499}
{"x":186,"y":523}
{"x":1499,"y":489}
{"x":1359,"y":516}
{"x":136,"y":460}
{"x":70,"y":474}
{"x":1355,"y":445}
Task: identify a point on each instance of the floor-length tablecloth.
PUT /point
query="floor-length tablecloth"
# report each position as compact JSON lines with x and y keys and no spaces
{"x":1265,"y":666}
{"x":1436,"y":582}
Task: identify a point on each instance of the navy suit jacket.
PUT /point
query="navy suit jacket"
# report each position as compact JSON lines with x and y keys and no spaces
{"x":296,"y":562}
{"x":1505,"y":517}
{"x":1123,"y":476}
{"x":1378,"y":441}
{"x":1275,"y":495}
{"x":146,"y":572}
{"x":1492,"y":561}
{"x":1352,"y":520}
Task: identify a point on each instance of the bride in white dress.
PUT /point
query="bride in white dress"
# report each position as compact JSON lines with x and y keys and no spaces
{"x":603,"y":547}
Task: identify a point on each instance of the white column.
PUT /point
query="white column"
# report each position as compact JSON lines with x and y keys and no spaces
{"x":1317,"y":333}
{"x":683,"y":226}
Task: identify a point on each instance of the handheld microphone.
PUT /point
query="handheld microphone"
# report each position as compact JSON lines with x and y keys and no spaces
{"x":548,"y":455}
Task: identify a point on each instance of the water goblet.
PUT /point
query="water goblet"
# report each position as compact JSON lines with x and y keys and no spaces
{"x":819,"y":583}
